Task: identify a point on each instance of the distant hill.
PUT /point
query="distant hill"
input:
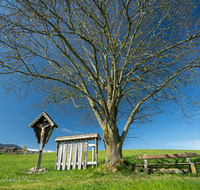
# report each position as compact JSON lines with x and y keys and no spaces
{"x":10,"y":145}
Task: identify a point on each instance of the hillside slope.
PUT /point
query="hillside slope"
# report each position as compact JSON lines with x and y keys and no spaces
{"x":10,"y":145}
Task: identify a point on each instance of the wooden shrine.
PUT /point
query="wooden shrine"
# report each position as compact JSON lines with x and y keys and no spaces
{"x":76,"y":146}
{"x":43,"y":127}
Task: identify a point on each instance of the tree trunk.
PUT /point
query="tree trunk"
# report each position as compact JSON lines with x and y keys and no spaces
{"x":113,"y":144}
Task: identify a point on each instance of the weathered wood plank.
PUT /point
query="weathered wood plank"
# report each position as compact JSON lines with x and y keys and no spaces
{"x":79,"y":154}
{"x":90,"y":136}
{"x":167,"y":156}
{"x":69,"y":156}
{"x":93,"y":154}
{"x":193,"y":169}
{"x":88,"y":163}
{"x":64,"y":155}
{"x":92,"y":163}
{"x":96,"y":143}
{"x":191,"y":166}
{"x":57,"y":145}
{"x":74,"y":154}
{"x":91,"y":145}
{"x":85,"y":151}
{"x":169,"y":164}
{"x":145,"y":165}
{"x":59,"y":155}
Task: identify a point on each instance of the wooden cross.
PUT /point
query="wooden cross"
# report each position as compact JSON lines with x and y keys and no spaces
{"x":41,"y":143}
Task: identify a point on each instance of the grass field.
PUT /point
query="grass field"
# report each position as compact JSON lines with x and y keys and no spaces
{"x":13,"y":176}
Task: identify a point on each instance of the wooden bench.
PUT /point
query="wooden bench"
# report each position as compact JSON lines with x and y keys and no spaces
{"x":185,"y":155}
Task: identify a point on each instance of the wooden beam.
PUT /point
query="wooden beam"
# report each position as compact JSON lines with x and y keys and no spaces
{"x":93,"y":154}
{"x":91,"y":145}
{"x":90,"y":136}
{"x":96,"y":142}
{"x":57,"y":145}
{"x":169,"y":164}
{"x":167,"y":156}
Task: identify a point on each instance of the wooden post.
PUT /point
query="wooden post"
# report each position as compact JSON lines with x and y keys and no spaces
{"x":79,"y":154}
{"x":96,"y":142}
{"x":39,"y":159}
{"x":145,"y":165}
{"x":85,"y":150}
{"x":93,"y":155}
{"x":191,"y":166}
{"x":57,"y":145}
{"x":41,"y":147}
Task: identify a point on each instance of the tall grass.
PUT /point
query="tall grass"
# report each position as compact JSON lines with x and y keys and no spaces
{"x":13,"y":176}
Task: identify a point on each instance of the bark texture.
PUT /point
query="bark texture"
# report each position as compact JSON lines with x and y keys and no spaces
{"x":113,"y":144}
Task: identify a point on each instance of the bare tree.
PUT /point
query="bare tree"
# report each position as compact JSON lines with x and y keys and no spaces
{"x":122,"y":60}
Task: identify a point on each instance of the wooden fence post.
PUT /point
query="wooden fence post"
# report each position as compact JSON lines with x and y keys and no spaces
{"x":145,"y":165}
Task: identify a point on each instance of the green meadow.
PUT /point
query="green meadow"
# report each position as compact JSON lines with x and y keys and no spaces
{"x":13,"y":174}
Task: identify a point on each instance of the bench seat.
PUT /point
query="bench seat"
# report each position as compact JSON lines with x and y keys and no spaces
{"x":166,"y":156}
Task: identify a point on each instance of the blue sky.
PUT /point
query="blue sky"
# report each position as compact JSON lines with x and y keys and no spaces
{"x":167,"y":132}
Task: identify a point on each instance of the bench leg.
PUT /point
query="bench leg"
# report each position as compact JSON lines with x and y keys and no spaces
{"x":145,"y":165}
{"x":191,"y":166}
